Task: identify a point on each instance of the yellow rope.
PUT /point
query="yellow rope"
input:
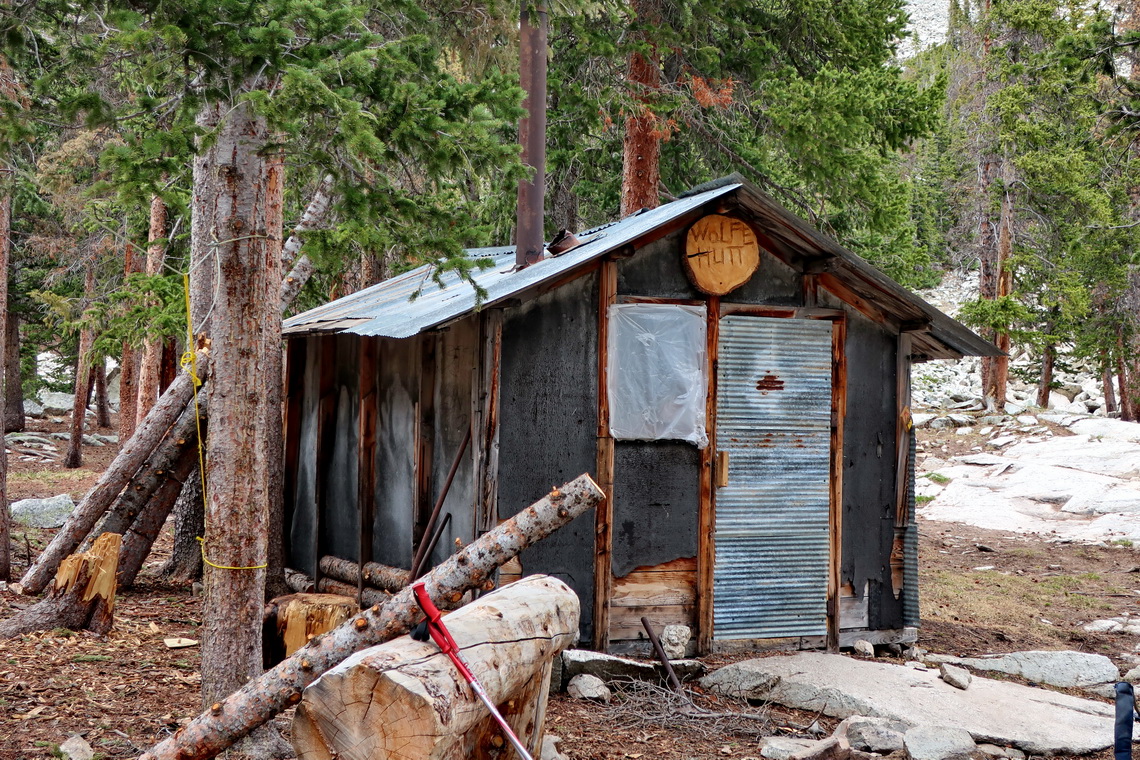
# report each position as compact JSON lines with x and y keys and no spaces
{"x":189,"y":362}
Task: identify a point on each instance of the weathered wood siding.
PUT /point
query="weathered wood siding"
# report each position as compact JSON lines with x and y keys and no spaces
{"x":549,"y":423}
{"x":340,"y":521}
{"x":399,"y":388}
{"x":301,"y":549}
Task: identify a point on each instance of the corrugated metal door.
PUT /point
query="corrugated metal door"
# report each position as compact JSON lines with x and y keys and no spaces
{"x":774,"y":422}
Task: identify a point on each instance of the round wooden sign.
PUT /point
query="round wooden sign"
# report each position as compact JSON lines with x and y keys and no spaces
{"x":721,"y":254}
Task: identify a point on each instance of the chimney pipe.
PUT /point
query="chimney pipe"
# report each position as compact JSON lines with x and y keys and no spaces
{"x":532,"y":131}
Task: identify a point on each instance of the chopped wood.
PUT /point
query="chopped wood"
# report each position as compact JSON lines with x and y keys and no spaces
{"x":303,"y":616}
{"x":264,"y":697}
{"x":508,"y":639}
{"x":298,"y":581}
{"x":372,"y":596}
{"x":376,"y":575}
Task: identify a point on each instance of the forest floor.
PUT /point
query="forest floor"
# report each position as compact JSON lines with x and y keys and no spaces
{"x":982,"y":591}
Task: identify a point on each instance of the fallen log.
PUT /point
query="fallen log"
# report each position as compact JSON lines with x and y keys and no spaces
{"x":140,"y":537}
{"x":262,"y":698}
{"x":372,"y":596}
{"x":147,"y":437}
{"x":376,"y":575}
{"x":508,"y":638}
{"x":82,"y":596}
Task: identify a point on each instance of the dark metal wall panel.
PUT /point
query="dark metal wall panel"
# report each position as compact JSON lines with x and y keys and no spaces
{"x":774,"y":284}
{"x":340,"y":516}
{"x":399,"y":369}
{"x":774,"y":424}
{"x":456,"y":357}
{"x":549,"y":408}
{"x":656,"y":270}
{"x":302,"y":549}
{"x":869,"y":461}
{"x":656,"y":497}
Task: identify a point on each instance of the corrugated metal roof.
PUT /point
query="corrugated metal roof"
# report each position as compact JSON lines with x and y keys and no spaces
{"x":413,"y":302}
{"x":386,"y":310}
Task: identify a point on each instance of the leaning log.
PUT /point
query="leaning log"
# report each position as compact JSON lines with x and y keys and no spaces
{"x":508,"y":638}
{"x":264,"y":697}
{"x":140,"y":537}
{"x":146,"y":439}
{"x":83,"y":595}
{"x":375,"y":575}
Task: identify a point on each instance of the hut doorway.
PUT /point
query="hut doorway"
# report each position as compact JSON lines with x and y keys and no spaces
{"x":773,"y":423}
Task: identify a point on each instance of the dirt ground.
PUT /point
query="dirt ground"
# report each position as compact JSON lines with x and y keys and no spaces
{"x":982,"y":591}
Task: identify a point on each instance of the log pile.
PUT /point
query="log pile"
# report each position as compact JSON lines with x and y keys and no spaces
{"x":509,"y":639}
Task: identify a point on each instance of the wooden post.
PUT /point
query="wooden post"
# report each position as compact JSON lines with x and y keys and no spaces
{"x":603,"y":515}
{"x":508,"y":638}
{"x":487,"y":471}
{"x":835,"y":513}
{"x":902,"y":457}
{"x":706,"y":515}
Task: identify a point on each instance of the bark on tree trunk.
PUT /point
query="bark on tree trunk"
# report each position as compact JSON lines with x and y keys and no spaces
{"x":13,"y":419}
{"x":641,"y":146}
{"x":226,"y":721}
{"x":1045,"y":385}
{"x":5,"y":520}
{"x":246,"y":312}
{"x":375,"y":575}
{"x":83,"y":595}
{"x":508,"y":639}
{"x":1122,"y":379}
{"x":275,"y":380}
{"x":999,"y":379}
{"x":185,"y":563}
{"x":1109,"y":393}
{"x":131,"y":456}
{"x":151,"y":366}
{"x":129,"y":366}
{"x":102,"y":404}
{"x":74,"y":456}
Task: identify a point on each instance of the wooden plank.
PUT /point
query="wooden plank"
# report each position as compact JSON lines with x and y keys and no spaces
{"x":425,"y":439}
{"x":839,"y":289}
{"x":847,"y":639}
{"x":366,"y":452}
{"x":657,"y":300}
{"x":603,"y":513}
{"x":326,"y":435}
{"x":294,"y":397}
{"x":488,"y":430}
{"x":706,"y":515}
{"x":835,"y":513}
{"x":655,"y":590}
{"x":810,"y":284}
{"x":625,"y":622}
{"x":854,"y":612}
{"x":902,"y":461}
{"x":791,"y":643}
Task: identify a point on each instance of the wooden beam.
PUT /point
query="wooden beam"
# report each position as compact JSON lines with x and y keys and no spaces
{"x":487,"y":431}
{"x":603,"y":513}
{"x":902,"y":460}
{"x":366,"y":452}
{"x":835,"y":515}
{"x":706,"y":515}
{"x":839,"y":289}
{"x":810,"y":285}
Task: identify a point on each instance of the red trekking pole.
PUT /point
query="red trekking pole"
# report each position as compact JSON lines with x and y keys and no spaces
{"x":442,"y":637}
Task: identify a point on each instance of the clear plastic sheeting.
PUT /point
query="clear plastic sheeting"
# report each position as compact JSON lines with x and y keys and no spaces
{"x":658,"y":379}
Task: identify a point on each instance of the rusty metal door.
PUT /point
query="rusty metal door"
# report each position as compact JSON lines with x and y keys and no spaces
{"x":773,"y":421}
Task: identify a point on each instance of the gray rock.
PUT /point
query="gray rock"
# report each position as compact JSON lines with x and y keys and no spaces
{"x":1133,"y":676}
{"x":109,"y":439}
{"x":91,"y":440}
{"x":1066,"y":669}
{"x":76,"y":748}
{"x":585,"y":686}
{"x":1038,"y":721}
{"x":675,"y":640}
{"x":783,"y":747}
{"x":864,"y":648}
{"x":32,"y":408}
{"x":557,"y":682}
{"x":957,"y":677}
{"x":610,"y":668}
{"x":938,"y":743}
{"x":550,"y":748}
{"x":43,"y":513}
{"x":941,"y":423}
{"x":921,"y":419}
{"x":56,"y":403}
{"x":875,"y":734}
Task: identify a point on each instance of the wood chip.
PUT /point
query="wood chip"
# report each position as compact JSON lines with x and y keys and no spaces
{"x":180,"y":643}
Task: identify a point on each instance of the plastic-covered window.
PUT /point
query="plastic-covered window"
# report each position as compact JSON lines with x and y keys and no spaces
{"x":657,"y":374}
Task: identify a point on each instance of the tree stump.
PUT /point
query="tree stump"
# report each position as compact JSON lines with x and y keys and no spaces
{"x":302,"y":616}
{"x":406,"y":699}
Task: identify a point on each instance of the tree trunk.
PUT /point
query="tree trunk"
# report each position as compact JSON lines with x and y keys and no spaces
{"x":83,"y":595}
{"x":140,"y":538}
{"x":133,"y":453}
{"x":151,"y":366}
{"x":5,"y":251}
{"x":83,"y":367}
{"x":185,"y":563}
{"x":226,"y":721}
{"x":1122,"y":379}
{"x":1109,"y":393}
{"x":129,"y":364}
{"x":641,"y":146}
{"x":102,"y":404}
{"x":375,"y":575}
{"x":275,"y":367}
{"x":508,"y":639}
{"x":13,"y":419}
{"x":1045,"y":385}
{"x":246,"y":313}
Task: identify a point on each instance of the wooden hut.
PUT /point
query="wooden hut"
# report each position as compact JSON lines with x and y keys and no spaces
{"x":736,"y":381}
